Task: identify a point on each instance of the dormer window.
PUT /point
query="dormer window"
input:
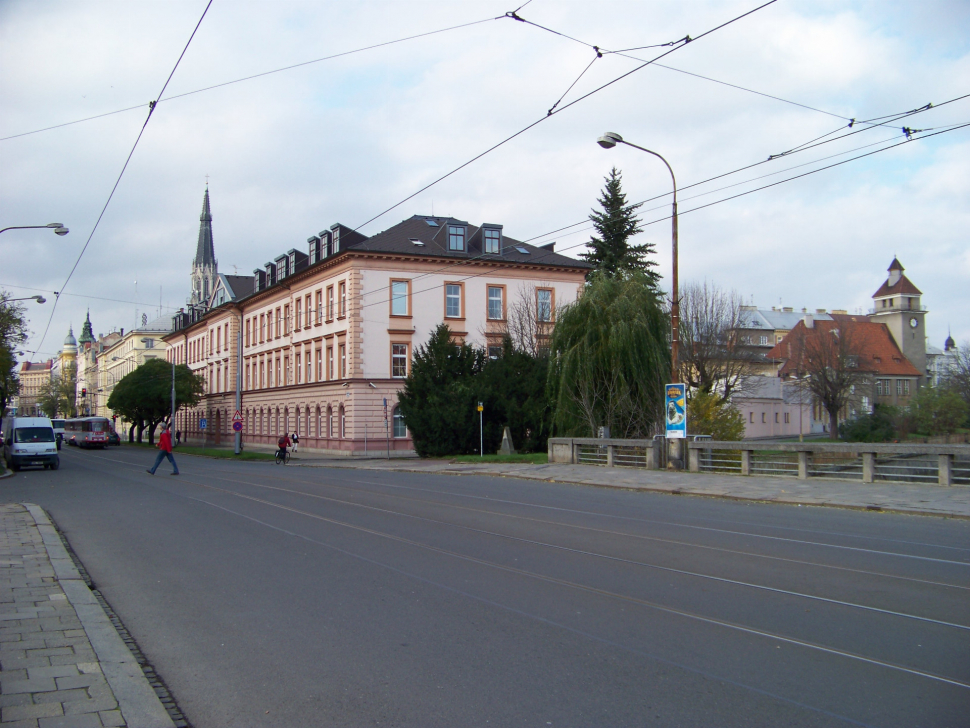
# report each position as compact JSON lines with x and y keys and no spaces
{"x":493,"y":241}
{"x":456,"y":238}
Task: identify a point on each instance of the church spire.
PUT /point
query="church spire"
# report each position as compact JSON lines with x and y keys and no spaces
{"x":205,"y":252}
{"x":205,"y":267}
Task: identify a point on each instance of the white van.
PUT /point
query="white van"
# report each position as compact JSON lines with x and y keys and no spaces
{"x":29,"y":441}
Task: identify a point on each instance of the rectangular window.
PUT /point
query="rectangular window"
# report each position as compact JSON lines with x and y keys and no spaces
{"x":319,"y":316}
{"x":905,"y":386}
{"x":269,"y":326}
{"x":286,"y":319}
{"x":299,"y":314}
{"x":544,"y":304}
{"x":452,"y":300}
{"x":493,"y":241}
{"x":330,"y":363}
{"x":343,"y":298}
{"x":878,"y":387}
{"x":496,"y":303}
{"x":262,"y":374}
{"x":279,"y":372}
{"x":279,"y":323}
{"x":456,"y":237}
{"x":343,"y":361}
{"x":494,"y":352}
{"x":399,"y":361}
{"x":399,"y":298}
{"x":899,"y":387}
{"x":751,"y":417}
{"x":249,"y":381}
{"x":299,"y":369}
{"x":319,"y":365}
{"x":219,"y":339}
{"x":249,"y":323}
{"x":787,"y":417}
{"x":307,"y":307}
{"x":330,"y":303}
{"x":763,"y":418}
{"x":776,"y":418}
{"x":262,"y":328}
{"x":764,"y":341}
{"x":225,"y":338}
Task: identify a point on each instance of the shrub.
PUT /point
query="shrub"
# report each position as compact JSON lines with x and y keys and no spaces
{"x":708,"y":415}
{"x":880,"y":426}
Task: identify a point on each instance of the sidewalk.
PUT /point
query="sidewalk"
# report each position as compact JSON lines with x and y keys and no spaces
{"x":62,"y":663}
{"x":920,"y":499}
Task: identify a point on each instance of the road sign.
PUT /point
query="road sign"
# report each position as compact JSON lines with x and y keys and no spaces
{"x":675,"y":408}
{"x":480,"y":408}
{"x":202,"y":423}
{"x":237,"y":417}
{"x":237,"y":426}
{"x":385,"y":409}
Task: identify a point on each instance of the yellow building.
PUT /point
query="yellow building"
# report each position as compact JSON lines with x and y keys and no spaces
{"x":125,"y":354}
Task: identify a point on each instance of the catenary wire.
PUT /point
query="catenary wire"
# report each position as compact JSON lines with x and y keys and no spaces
{"x":258,"y":75}
{"x":94,"y":298}
{"x":151,"y":109}
{"x":555,"y":113}
{"x":694,"y":209}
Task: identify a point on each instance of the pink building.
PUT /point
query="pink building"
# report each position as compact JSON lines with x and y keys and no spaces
{"x":325,"y":338}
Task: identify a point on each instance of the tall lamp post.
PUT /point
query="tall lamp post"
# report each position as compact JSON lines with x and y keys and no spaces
{"x":58,"y":228}
{"x":39,"y":299}
{"x":608,"y":141}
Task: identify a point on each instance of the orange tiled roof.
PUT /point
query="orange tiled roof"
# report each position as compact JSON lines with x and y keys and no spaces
{"x":878,"y":352}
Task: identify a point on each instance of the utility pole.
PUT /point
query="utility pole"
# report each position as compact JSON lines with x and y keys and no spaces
{"x":481,"y":430}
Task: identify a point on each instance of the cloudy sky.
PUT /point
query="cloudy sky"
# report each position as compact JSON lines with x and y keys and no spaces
{"x":342,"y":140}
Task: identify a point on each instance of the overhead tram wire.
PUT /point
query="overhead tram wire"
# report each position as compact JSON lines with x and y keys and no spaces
{"x":539,"y":258}
{"x":261,"y":75}
{"x":556,"y":112}
{"x":148,"y":305}
{"x":151,"y":109}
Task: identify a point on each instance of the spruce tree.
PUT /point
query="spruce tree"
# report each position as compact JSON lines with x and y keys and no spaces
{"x":611,"y":251}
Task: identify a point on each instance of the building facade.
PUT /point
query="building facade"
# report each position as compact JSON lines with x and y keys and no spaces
{"x":123,"y":352}
{"x":326,"y":338}
{"x":33,"y":378}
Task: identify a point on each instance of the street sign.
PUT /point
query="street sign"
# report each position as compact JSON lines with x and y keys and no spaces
{"x":385,"y":409}
{"x":480,"y":407}
{"x":237,"y":417}
{"x":675,"y":408}
{"x":237,"y":426}
{"x":202,"y":423}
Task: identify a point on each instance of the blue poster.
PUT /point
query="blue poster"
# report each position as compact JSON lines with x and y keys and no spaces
{"x":675,"y":408}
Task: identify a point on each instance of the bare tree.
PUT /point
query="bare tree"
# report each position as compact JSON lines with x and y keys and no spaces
{"x":957,"y":376}
{"x":712,"y":357}
{"x":824,"y":359}
{"x":523,"y":323}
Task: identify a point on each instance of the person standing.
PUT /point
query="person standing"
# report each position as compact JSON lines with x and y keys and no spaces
{"x":178,"y":438}
{"x":296,"y":442}
{"x":165,"y":451}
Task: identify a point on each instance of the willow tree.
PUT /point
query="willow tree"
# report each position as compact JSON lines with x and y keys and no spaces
{"x":610,"y":358}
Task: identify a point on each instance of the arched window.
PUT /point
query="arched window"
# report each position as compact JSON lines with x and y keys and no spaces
{"x":343,"y":422}
{"x":306,"y":413}
{"x":318,"y":431}
{"x":296,"y":422}
{"x":400,"y":429}
{"x":286,"y":420}
{"x":276,"y":427}
{"x":329,"y":421}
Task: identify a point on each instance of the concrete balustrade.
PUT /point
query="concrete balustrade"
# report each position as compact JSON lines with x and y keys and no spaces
{"x":566,"y":450}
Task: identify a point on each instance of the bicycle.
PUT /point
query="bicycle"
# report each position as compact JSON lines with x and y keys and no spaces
{"x":281,"y":458}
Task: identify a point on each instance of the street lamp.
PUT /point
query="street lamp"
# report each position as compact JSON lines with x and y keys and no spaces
{"x":39,"y":299}
{"x":58,"y":228}
{"x":608,"y":141}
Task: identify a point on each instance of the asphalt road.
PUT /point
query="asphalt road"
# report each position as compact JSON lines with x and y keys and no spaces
{"x":294,"y":596}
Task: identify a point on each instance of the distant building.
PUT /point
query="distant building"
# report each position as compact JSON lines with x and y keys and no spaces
{"x":761,"y":329}
{"x":126,"y":353}
{"x":205,"y":267}
{"x":34,"y":378}
{"x":897,"y":305}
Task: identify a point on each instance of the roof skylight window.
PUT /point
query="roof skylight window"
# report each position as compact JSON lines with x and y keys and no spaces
{"x":521,"y":250}
{"x":416,"y":241}
{"x":431,"y":223}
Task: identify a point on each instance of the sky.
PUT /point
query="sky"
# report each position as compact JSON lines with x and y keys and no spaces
{"x":343,"y":140}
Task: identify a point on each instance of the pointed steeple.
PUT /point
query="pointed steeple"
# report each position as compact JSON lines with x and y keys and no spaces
{"x":87,"y":334}
{"x":205,"y":252}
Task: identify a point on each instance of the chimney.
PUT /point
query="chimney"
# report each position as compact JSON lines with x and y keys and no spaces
{"x":788,"y":309}
{"x":809,"y":321}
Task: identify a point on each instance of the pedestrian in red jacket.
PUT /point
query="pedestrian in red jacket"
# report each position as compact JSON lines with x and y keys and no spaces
{"x":165,"y":451}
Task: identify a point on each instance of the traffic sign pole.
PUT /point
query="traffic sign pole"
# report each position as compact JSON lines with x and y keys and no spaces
{"x":481,"y":430}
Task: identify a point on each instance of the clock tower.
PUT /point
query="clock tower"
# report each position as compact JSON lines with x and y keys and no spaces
{"x":897,"y":304}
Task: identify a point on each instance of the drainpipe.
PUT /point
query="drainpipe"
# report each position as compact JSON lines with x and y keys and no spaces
{"x":239,"y":362}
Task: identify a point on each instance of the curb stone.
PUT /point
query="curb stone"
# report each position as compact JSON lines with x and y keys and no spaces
{"x":139,"y":704}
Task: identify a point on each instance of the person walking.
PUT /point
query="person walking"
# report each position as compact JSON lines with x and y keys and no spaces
{"x":296,"y":442}
{"x":178,"y":438}
{"x":164,"y":451}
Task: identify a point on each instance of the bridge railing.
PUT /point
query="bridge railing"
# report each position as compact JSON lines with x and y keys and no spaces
{"x":865,"y":462}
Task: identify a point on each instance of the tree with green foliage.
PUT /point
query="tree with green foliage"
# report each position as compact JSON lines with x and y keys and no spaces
{"x":13,"y":334}
{"x":610,"y":250}
{"x":513,"y":390}
{"x":610,"y":358}
{"x":879,"y":426}
{"x":144,"y":396}
{"x":708,"y":414}
{"x":938,"y":411}
{"x":58,"y":397}
{"x":439,"y":401}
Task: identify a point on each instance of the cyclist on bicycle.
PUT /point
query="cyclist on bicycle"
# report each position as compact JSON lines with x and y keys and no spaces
{"x":283,"y":442}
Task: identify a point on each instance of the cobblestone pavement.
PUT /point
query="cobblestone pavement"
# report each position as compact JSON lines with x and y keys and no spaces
{"x":62,"y":662}
{"x":922,"y":499}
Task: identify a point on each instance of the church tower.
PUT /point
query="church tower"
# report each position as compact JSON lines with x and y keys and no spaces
{"x":205,"y":267}
{"x":897,"y":305}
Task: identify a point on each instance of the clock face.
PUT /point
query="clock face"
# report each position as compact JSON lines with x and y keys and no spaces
{"x":913,"y":322}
